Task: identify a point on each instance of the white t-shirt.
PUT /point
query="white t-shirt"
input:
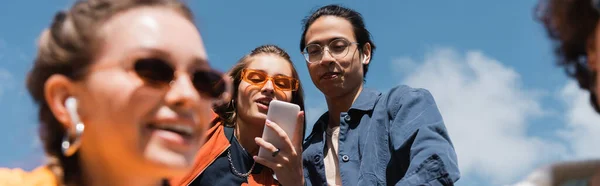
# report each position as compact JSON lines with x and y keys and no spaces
{"x":332,"y":167}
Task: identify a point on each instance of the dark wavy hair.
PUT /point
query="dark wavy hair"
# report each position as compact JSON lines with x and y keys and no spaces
{"x":571,"y":25}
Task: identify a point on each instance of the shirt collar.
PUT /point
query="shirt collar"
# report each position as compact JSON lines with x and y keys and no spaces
{"x":366,"y":100}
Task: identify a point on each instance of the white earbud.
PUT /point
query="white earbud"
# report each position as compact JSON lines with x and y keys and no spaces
{"x":69,"y":148}
{"x":71,"y":105}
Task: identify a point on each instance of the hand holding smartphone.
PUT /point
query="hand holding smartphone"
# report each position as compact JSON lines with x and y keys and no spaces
{"x":284,"y":114}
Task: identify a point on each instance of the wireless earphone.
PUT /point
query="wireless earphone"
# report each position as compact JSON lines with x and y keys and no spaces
{"x":71,"y":105}
{"x":68,"y":147}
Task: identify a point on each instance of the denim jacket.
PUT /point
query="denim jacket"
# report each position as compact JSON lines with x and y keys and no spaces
{"x":395,"y":138}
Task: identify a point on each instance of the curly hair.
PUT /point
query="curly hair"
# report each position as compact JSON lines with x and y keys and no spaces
{"x":67,"y":48}
{"x":571,"y":25}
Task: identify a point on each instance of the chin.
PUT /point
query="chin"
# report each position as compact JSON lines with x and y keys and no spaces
{"x":331,"y":91}
{"x":257,"y":113}
{"x":261,"y":116}
{"x":170,"y":161}
{"x":256,"y":119}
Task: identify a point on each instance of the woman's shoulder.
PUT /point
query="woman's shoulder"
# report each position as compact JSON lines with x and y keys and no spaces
{"x":41,"y":176}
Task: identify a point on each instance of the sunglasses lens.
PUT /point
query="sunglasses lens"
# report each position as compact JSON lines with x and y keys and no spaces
{"x":283,"y":83}
{"x":154,"y":71}
{"x":210,"y":83}
{"x":255,"y":77}
{"x":259,"y":78}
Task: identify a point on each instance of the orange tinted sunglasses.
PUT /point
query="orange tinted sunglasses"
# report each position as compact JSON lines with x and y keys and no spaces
{"x":259,"y":78}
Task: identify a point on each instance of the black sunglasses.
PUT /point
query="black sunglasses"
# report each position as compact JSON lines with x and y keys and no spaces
{"x":158,"y":72}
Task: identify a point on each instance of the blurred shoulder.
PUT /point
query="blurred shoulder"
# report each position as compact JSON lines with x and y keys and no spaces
{"x":563,"y":173}
{"x":41,"y":176}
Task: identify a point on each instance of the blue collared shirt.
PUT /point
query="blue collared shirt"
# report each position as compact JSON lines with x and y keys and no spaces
{"x":395,"y":138}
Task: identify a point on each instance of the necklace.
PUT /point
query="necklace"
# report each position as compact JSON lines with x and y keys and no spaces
{"x":235,"y":171}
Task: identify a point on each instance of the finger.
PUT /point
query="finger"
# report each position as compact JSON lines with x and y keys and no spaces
{"x":282,"y":135}
{"x":281,"y":157}
{"x":266,"y":145}
{"x":282,"y":154}
{"x":299,"y":137}
{"x":265,"y":162}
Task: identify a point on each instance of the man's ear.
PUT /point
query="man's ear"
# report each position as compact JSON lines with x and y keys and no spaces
{"x":366,"y":52}
{"x":56,"y":91}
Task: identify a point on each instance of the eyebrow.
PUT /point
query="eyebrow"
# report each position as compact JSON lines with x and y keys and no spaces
{"x":326,"y":41}
{"x":196,"y":63}
{"x":201,"y":63}
{"x":150,"y":50}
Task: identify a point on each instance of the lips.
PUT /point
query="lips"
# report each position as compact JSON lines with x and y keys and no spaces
{"x":330,"y":75}
{"x":180,"y":129}
{"x":175,"y":133}
{"x":263,"y":103}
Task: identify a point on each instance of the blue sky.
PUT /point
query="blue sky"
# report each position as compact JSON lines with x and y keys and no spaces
{"x":489,"y":65}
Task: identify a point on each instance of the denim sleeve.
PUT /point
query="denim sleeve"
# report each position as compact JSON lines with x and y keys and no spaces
{"x":306,"y":177}
{"x":417,"y":127}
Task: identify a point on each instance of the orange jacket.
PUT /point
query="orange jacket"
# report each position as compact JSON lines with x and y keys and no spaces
{"x":41,"y":176}
{"x":216,"y":145}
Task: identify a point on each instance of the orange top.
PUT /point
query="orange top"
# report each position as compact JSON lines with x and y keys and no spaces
{"x":41,"y":176}
{"x":216,"y":144}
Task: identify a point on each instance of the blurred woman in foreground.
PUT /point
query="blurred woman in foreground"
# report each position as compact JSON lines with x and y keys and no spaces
{"x":125,"y":92}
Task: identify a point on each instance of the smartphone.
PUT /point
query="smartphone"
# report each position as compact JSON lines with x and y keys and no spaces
{"x":284,"y":114}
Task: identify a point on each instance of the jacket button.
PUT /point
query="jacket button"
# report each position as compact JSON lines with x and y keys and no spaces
{"x":347,"y":118}
{"x":345,"y":158}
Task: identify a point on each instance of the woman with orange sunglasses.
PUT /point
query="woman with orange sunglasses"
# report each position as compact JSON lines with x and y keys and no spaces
{"x":229,"y":157}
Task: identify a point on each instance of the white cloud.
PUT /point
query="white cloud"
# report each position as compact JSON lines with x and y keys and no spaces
{"x":486,"y":111}
{"x":582,"y":123}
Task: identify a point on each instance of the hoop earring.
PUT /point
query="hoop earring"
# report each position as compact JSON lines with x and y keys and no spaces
{"x":69,"y":148}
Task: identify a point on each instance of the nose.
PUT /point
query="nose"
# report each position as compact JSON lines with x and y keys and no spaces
{"x":327,"y":58}
{"x":183,"y":94}
{"x":268,"y":87}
